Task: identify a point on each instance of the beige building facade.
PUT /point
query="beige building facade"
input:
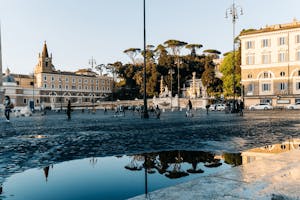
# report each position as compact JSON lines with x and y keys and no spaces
{"x":52,"y":88}
{"x":270,"y":65}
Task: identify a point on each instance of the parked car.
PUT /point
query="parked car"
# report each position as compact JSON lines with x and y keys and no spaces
{"x":217,"y":107}
{"x":261,"y":106}
{"x":293,"y":106}
{"x":220,"y":107}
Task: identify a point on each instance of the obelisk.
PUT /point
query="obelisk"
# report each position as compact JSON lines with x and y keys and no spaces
{"x":1,"y":75}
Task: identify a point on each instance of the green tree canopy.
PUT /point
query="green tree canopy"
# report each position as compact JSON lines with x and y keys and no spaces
{"x":231,"y":73}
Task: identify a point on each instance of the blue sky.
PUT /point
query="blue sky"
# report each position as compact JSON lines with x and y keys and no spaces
{"x":77,"y":30}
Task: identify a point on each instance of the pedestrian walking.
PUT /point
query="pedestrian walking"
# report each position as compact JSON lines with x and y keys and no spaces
{"x":189,"y":109}
{"x":157,"y":112}
{"x":207,"y":107}
{"x":69,"y":109}
{"x":7,"y":107}
{"x":242,"y":108}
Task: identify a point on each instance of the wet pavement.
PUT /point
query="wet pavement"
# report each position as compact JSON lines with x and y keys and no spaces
{"x":272,"y":176}
{"x":38,"y":141}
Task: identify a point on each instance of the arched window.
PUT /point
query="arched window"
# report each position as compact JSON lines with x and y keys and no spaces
{"x":266,"y":75}
{"x":282,"y":74}
{"x":249,"y":75}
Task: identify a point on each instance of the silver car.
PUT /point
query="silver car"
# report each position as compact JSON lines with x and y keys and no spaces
{"x":293,"y":106}
{"x":261,"y":106}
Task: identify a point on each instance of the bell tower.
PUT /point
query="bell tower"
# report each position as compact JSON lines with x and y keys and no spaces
{"x":45,"y":62}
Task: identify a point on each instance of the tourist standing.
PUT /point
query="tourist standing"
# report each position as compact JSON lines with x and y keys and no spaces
{"x":7,"y":106}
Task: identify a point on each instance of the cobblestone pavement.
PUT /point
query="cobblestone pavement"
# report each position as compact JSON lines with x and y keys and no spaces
{"x":37,"y":141}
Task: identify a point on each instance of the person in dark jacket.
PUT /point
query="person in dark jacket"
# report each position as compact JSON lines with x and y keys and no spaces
{"x":7,"y":105}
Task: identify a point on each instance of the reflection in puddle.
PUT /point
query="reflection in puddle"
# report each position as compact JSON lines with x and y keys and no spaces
{"x":116,"y":177}
{"x":263,"y":152}
{"x":122,"y":177}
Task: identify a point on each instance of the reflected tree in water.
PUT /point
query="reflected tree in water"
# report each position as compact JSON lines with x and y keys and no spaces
{"x":169,"y":163}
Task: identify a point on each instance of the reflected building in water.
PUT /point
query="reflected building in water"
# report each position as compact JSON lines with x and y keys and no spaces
{"x":263,"y":152}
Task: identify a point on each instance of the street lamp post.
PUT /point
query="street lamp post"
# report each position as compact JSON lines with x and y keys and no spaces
{"x":61,"y":94}
{"x":145,"y":113}
{"x":178,"y":79}
{"x":111,"y":68}
{"x":234,"y":10}
{"x":171,"y":72}
{"x":32,"y":91}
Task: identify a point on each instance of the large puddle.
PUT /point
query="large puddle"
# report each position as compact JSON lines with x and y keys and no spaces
{"x":122,"y":177}
{"x":117,"y":177}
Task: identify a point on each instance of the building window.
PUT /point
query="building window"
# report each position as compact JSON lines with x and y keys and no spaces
{"x":282,"y":41}
{"x":73,"y":87}
{"x":297,"y":38}
{"x":59,"y":86}
{"x":266,"y":43}
{"x":45,"y":78}
{"x":102,"y":81}
{"x":52,"y":86}
{"x":85,"y":87}
{"x":25,"y":101}
{"x":249,"y":75}
{"x":250,"y":45}
{"x":298,"y":86}
{"x":282,"y":86}
{"x":282,"y":74}
{"x":73,"y":80}
{"x":85,"y":81}
{"x":298,"y":55}
{"x":79,"y":87}
{"x":250,"y":60}
{"x":92,"y":81}
{"x":250,"y":88}
{"x":97,"y":81}
{"x":266,"y":87}
{"x":282,"y":57}
{"x":67,"y":87}
{"x":266,"y":75}
{"x":52,"y":78}
{"x":45,"y":85}
{"x":67,"y":79}
{"x":266,"y":58}
{"x":79,"y":80}
{"x":31,"y":83}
